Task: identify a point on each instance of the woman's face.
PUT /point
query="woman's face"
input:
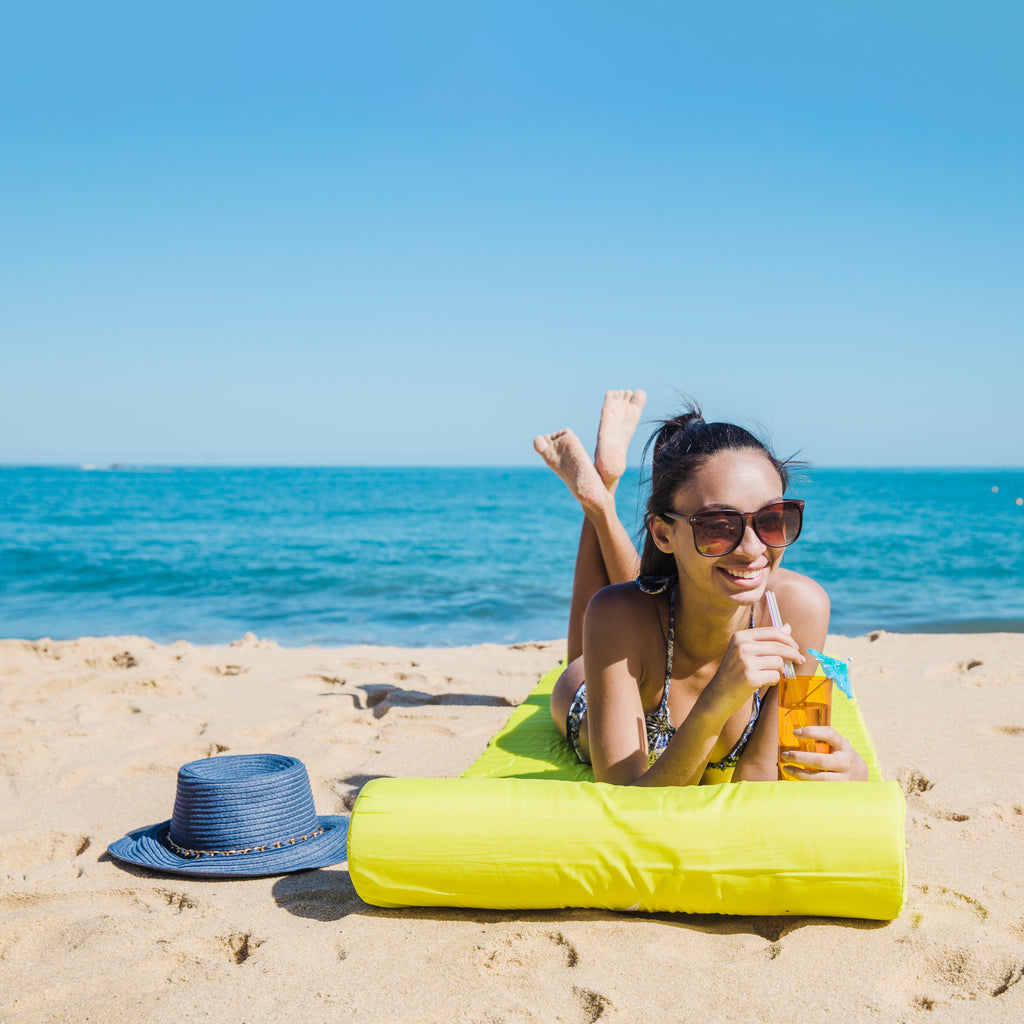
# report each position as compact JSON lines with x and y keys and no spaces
{"x":738,"y":479}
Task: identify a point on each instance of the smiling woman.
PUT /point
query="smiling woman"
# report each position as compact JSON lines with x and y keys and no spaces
{"x":673,"y":657}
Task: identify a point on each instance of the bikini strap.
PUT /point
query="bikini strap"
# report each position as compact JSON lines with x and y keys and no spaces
{"x":670,"y":645}
{"x":670,"y":648}
{"x":660,"y":584}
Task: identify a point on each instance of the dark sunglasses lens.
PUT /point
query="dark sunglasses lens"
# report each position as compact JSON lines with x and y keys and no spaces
{"x":717,"y":533}
{"x":779,"y":525}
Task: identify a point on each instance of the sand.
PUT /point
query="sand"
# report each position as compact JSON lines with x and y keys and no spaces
{"x":92,"y":733}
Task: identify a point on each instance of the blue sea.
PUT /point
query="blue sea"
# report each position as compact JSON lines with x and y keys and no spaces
{"x":442,"y":557}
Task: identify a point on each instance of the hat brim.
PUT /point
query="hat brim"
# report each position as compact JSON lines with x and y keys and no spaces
{"x":145,"y":848}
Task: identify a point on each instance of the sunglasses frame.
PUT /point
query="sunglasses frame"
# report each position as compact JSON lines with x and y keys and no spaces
{"x":748,"y":519}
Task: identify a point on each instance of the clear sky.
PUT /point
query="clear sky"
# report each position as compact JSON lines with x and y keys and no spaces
{"x":421,"y":233}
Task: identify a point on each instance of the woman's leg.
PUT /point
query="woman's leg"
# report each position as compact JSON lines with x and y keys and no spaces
{"x":561,"y":699}
{"x":605,"y":553}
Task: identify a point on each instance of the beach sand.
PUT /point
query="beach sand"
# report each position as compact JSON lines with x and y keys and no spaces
{"x":92,"y":733}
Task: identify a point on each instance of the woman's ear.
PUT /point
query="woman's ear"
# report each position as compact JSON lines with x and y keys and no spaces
{"x":661,"y":534}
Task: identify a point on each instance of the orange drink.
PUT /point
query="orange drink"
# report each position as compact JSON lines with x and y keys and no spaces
{"x":803,"y":700}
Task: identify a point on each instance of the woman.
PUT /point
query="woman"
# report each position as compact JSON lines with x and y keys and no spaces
{"x":676,"y":648}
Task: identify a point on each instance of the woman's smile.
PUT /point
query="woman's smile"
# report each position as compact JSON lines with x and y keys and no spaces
{"x":746,"y":578}
{"x":734,"y":480}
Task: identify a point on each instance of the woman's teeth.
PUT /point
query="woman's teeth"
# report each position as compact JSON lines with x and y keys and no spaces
{"x":749,"y":574}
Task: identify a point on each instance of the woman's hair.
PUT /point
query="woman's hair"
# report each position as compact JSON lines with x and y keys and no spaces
{"x":681,"y":446}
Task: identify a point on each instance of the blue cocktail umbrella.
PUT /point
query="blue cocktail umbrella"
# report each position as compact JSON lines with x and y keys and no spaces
{"x":836,"y":670}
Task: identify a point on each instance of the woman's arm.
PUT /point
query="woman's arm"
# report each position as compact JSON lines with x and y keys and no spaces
{"x":805,"y":609}
{"x":752,"y":663}
{"x":622,"y":641}
{"x":805,"y":605}
{"x":759,"y":761}
{"x":615,"y":640}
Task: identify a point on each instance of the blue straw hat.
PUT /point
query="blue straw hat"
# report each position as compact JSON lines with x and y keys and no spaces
{"x":239,"y":816}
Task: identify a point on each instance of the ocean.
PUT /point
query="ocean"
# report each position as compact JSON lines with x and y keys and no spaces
{"x":453,"y":556}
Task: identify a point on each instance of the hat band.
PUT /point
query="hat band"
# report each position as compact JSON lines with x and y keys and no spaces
{"x":262,"y":848}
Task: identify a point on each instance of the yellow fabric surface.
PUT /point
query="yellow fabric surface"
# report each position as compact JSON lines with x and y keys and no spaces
{"x":530,"y":747}
{"x":527,"y":828}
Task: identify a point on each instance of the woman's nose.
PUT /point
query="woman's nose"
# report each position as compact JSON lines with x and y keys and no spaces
{"x":751,"y":543}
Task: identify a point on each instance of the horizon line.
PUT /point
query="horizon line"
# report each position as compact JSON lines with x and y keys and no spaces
{"x":123,"y":466}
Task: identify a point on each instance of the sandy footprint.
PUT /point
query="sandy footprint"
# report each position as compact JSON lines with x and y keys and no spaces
{"x":969,"y":971}
{"x":149,"y":686}
{"x":1009,"y":813}
{"x":1009,"y":730}
{"x":228,"y":670}
{"x":954,"y":953}
{"x":544,"y":954}
{"x":914,"y":782}
{"x":27,"y":851}
{"x":241,"y":945}
{"x":940,"y":907}
{"x":521,"y":950}
{"x":315,"y":682}
{"x":177,"y":901}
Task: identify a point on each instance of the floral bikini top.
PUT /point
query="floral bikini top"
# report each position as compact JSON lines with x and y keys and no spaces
{"x":659,"y":729}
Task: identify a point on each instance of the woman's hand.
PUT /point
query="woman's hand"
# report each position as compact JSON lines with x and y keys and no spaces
{"x":754,"y":659}
{"x":842,"y":763}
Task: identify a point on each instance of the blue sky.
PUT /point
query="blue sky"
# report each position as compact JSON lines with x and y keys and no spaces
{"x":411,"y":233}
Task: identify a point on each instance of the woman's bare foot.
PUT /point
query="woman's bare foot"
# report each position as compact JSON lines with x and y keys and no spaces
{"x":564,"y":453}
{"x":619,"y":417}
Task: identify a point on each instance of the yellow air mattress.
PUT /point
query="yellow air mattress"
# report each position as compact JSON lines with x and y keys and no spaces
{"x":526,"y":827}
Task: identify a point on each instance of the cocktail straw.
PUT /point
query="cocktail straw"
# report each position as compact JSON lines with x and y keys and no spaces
{"x":773,"y":611}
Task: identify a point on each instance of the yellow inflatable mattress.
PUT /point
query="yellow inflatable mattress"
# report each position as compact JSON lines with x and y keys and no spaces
{"x":526,"y":827}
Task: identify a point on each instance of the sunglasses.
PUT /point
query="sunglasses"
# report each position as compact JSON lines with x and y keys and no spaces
{"x":720,"y":531}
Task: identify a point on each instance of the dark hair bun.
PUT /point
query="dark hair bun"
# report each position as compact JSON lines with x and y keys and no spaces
{"x":672,"y":430}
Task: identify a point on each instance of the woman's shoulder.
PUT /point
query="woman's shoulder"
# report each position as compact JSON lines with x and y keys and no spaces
{"x":799,"y":594}
{"x":633,"y":603}
{"x":617,"y":595}
{"x":622,"y":621}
